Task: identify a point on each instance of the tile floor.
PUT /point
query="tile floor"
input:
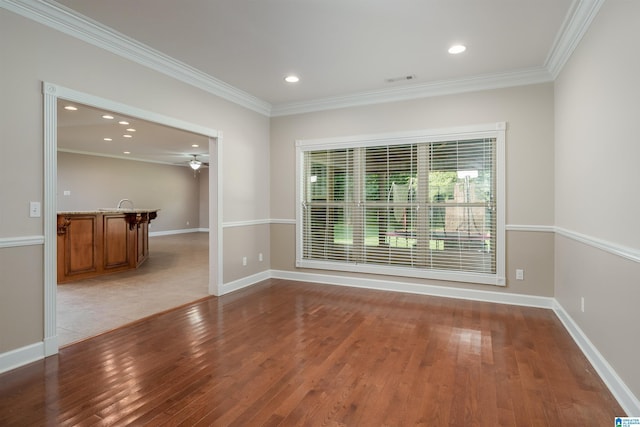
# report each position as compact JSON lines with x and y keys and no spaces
{"x":176,"y":273}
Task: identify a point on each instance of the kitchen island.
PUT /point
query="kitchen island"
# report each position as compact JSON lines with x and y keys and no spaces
{"x":103,"y":241}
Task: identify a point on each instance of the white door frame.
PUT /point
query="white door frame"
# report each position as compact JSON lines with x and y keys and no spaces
{"x":51,"y":94}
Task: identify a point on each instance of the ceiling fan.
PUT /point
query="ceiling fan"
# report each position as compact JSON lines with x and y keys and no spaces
{"x":196,"y":164}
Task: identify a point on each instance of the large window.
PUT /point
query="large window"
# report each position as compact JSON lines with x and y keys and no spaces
{"x":422,"y":204}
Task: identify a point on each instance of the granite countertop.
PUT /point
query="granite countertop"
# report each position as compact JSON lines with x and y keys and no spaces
{"x":107,"y":210}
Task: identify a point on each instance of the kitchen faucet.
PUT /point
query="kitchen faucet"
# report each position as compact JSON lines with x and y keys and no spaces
{"x":124,"y":200}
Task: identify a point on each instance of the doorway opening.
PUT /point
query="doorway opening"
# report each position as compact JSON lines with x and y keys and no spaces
{"x":147,"y":121}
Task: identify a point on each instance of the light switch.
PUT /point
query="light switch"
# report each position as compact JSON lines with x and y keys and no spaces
{"x":34,"y":209}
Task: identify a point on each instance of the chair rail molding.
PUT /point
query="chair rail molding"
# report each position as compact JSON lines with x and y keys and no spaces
{"x":13,"y":242}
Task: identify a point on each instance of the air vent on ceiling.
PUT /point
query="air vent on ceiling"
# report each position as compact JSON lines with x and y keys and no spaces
{"x":400,"y":79}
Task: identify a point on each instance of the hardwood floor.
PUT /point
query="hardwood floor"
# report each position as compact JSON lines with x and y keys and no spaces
{"x":285,"y":353}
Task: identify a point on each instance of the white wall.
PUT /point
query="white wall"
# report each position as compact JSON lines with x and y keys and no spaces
{"x":596,"y":159}
{"x":31,"y":54}
{"x":100,"y":182}
{"x":528,"y":111}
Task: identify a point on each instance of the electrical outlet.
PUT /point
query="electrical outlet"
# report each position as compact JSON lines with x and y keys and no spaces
{"x":519,"y":274}
{"x":244,"y":261}
{"x":187,"y":222}
{"x":582,"y":304}
{"x":67,"y":192}
{"x":260,"y":257}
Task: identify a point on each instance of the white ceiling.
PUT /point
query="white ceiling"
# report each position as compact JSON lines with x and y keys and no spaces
{"x":343,"y":50}
{"x":338,"y":47}
{"x":84,"y":131}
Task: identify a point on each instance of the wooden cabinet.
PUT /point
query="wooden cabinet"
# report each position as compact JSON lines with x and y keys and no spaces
{"x":78,"y":246}
{"x":95,"y":243}
{"x":142,"y":242}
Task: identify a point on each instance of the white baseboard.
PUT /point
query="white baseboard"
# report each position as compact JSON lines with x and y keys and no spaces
{"x":172,"y":232}
{"x":245,"y":282}
{"x":413,"y":288}
{"x":618,"y":388}
{"x":629,"y":402}
{"x":21,"y":356}
{"x":51,"y":346}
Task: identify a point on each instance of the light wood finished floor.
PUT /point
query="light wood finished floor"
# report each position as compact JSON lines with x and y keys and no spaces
{"x":284,"y":353}
{"x":176,"y":273}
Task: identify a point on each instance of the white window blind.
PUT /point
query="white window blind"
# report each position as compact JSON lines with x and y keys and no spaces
{"x":417,"y":205}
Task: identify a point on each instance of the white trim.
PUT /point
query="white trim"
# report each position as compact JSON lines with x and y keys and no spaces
{"x":50,"y":216}
{"x":439,"y":88}
{"x":501,"y":204}
{"x":172,"y":232}
{"x":405,"y":271}
{"x":420,"y":289}
{"x":483,"y":130}
{"x":51,"y":93}
{"x":579,"y":18}
{"x":508,"y":227}
{"x":532,"y":228}
{"x":246,"y":223}
{"x":283,"y":221}
{"x":14,"y":242}
{"x":495,"y":130}
{"x":251,"y":222}
{"x":625,"y":397}
{"x":610,"y":247}
{"x":51,"y":345}
{"x":245,"y":282}
{"x":216,"y":246}
{"x":66,"y":20}
{"x":618,"y":388}
{"x":126,"y":109}
{"x":112,"y":156}
{"x":83,"y":28}
{"x":629,"y":403}
{"x":21,"y":356}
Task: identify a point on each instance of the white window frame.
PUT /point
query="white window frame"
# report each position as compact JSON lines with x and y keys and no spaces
{"x":491,"y":130}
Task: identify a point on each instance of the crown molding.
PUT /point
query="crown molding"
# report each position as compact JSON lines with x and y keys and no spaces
{"x":113,"y":156}
{"x":576,"y":24}
{"x":439,"y":88}
{"x":71,"y":23}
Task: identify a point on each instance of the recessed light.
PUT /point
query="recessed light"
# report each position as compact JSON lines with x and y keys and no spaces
{"x":131,"y":130}
{"x":126,"y":135}
{"x":107,"y":116}
{"x":457,"y":48}
{"x":127,"y":152}
{"x":195,"y":145}
{"x":71,"y":108}
{"x":107,"y":139}
{"x":292,"y":79}
{"x":123,"y":122}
